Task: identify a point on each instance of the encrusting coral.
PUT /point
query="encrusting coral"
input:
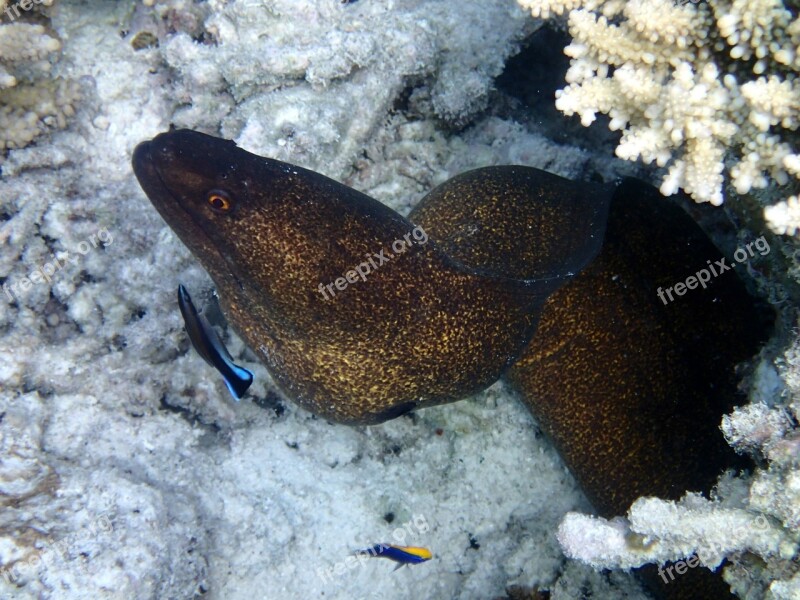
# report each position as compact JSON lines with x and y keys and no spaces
{"x":31,"y":100}
{"x":696,"y":87}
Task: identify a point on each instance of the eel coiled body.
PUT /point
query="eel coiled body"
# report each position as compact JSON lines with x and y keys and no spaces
{"x":630,"y":389}
{"x":420,"y":329}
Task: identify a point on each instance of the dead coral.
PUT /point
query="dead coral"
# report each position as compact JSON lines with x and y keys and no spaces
{"x":31,"y":100}
{"x":28,"y":111}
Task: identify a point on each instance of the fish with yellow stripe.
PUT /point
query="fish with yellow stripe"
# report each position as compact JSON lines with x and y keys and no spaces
{"x":402,"y":555}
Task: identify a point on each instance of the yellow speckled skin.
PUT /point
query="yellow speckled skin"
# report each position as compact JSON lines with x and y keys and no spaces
{"x":615,"y":376}
{"x":420,"y":330}
{"x":631,"y":391}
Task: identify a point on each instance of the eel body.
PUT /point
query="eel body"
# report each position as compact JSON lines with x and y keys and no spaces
{"x":420,"y":328}
{"x":629,"y":389}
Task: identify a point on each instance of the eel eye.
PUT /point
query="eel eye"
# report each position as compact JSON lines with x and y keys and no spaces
{"x":219,"y":201}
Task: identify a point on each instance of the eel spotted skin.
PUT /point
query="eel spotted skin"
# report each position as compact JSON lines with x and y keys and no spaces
{"x":629,"y":389}
{"x":421,"y":329}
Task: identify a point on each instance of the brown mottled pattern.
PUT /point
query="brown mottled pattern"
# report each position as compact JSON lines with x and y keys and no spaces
{"x":422,"y":329}
{"x":629,"y":390}
{"x":632,"y":391}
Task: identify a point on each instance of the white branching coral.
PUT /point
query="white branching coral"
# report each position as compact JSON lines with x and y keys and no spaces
{"x":659,"y":531}
{"x":784,"y":217}
{"x":693,"y":87}
{"x":754,"y":523}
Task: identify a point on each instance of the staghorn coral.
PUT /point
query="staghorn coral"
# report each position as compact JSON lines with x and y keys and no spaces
{"x":31,"y":99}
{"x":694,"y":87}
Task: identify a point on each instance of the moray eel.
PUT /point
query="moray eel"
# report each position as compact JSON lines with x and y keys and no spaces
{"x":423,"y":329}
{"x":206,"y":342}
{"x":629,"y":390}
{"x":610,"y":356}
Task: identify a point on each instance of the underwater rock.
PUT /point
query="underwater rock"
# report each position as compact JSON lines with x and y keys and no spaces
{"x":266,"y":91}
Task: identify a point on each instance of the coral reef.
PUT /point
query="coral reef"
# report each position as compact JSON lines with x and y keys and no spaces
{"x":254,"y":83}
{"x":27,"y":111}
{"x":157,"y":485}
{"x":694,"y":87}
{"x":127,"y":472}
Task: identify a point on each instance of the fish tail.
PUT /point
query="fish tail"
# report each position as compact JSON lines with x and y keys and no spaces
{"x":238,"y":381}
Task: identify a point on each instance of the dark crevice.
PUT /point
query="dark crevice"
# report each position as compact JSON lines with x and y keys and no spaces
{"x":527,"y":88}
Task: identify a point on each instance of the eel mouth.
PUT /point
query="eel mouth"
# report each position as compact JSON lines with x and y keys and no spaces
{"x":145,"y":167}
{"x":148,"y":174}
{"x":150,"y":180}
{"x":145,"y":170}
{"x":169,"y":177}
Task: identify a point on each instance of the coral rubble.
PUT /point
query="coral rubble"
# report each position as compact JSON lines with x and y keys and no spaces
{"x":32,"y":101}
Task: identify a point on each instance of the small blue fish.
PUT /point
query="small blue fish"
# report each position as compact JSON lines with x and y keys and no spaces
{"x":403,"y":555}
{"x":208,"y":345}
